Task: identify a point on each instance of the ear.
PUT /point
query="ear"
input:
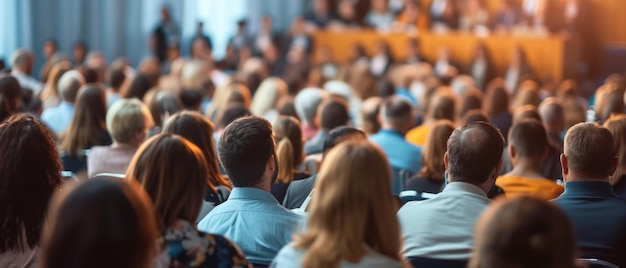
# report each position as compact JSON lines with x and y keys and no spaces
{"x":512,"y":154}
{"x":445,"y":160}
{"x":564,"y":166}
{"x":271,"y":163}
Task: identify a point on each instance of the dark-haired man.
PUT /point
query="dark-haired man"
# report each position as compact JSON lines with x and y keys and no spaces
{"x":598,"y":215}
{"x":442,"y":227}
{"x":251,"y":217}
{"x":331,"y":113}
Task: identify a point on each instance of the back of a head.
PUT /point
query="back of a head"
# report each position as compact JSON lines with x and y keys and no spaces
{"x":289,"y":146}
{"x":497,"y":98}
{"x":174,"y":173}
{"x":612,"y":103}
{"x":529,"y":138}
{"x":191,"y":99}
{"x":396,"y":112}
{"x":69,"y":84}
{"x":524,"y":232}
{"x":10,"y":92}
{"x":244,"y":149}
{"x":139,"y":86}
{"x":21,"y":57}
{"x":29,"y":173}
{"x":551,"y":112}
{"x":232,"y":113}
{"x":306,"y":103}
{"x":472,"y":99}
{"x":333,"y":112}
{"x":117,"y":78}
{"x":103,"y":222}
{"x":526,"y":112}
{"x":617,"y":126}
{"x":527,"y":96}
{"x":474,"y":115}
{"x":341,"y":134}
{"x":88,"y":122}
{"x":267,"y":95}
{"x":589,"y":149}
{"x":434,"y":150}
{"x":125,"y":118}
{"x":474,"y":150}
{"x":343,"y":213}
{"x":442,"y":106}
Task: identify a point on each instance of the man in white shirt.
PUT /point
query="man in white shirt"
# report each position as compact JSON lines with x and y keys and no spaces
{"x":442,"y":227}
{"x":23,"y":62}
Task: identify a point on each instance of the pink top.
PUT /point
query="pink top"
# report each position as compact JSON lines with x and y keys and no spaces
{"x":109,"y":159}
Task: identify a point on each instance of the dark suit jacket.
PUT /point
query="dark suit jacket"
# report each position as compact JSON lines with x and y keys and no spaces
{"x":298,"y":191}
{"x":599,"y":219}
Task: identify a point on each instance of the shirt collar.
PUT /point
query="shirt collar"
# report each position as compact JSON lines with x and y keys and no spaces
{"x":459,"y":186}
{"x":589,"y":188}
{"x":251,"y":193}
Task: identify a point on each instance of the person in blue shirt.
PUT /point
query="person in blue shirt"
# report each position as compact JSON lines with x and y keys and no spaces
{"x":397,"y":118}
{"x":251,"y":217}
{"x":58,"y":119}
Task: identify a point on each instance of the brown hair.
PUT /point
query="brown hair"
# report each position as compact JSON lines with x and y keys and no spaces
{"x":344,"y":217}
{"x":97,"y":216}
{"x":529,"y":138}
{"x":433,"y":167}
{"x":523,"y":232}
{"x":497,"y":98}
{"x":590,"y":150}
{"x":88,"y":123}
{"x":199,"y":130}
{"x":289,"y":151}
{"x":174,"y":173}
{"x":474,"y":150}
{"x":617,"y":126}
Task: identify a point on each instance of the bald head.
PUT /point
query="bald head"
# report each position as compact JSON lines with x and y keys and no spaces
{"x":474,"y":151}
{"x":589,"y":152}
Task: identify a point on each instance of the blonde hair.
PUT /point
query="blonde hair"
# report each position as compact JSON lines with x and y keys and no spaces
{"x":125,"y":117}
{"x":234,"y":92}
{"x":288,"y":136}
{"x":435,"y":147}
{"x":617,"y":126}
{"x":267,"y":95}
{"x":174,"y":173}
{"x":351,"y":209}
{"x":51,"y":89}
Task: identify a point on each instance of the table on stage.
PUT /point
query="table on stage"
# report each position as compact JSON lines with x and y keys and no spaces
{"x":551,"y":57}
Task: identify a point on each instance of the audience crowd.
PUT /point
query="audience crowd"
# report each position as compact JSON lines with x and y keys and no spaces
{"x":279,"y":156}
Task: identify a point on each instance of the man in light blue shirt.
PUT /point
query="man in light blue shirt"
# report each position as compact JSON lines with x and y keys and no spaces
{"x":397,"y":119}
{"x":251,"y":217}
{"x":59,"y":118}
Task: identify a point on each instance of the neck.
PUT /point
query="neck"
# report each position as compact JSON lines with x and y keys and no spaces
{"x":527,"y":168}
{"x":573,"y":176}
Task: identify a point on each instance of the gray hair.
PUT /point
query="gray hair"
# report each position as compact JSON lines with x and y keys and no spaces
{"x":69,"y":84}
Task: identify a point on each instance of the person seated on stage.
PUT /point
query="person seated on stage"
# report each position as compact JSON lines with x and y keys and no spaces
{"x":528,"y":148}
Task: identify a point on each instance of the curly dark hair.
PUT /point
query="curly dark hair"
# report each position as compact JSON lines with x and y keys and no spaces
{"x":29,"y":173}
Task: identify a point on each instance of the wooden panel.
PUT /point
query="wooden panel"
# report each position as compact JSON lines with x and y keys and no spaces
{"x":545,"y":54}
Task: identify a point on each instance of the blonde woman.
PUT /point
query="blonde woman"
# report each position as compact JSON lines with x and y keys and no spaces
{"x":266,"y":97}
{"x":289,"y":150}
{"x":352,"y":220}
{"x":617,"y":126}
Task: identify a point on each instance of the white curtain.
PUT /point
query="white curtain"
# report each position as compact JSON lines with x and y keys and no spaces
{"x":121,"y":27}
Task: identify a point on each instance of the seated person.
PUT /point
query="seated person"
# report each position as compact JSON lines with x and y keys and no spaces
{"x":331,"y":113}
{"x":528,"y":148}
{"x":597,"y":213}
{"x":128,"y":122}
{"x":251,"y":217}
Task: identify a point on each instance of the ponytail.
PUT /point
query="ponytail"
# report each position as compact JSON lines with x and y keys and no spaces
{"x":284,"y":153}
